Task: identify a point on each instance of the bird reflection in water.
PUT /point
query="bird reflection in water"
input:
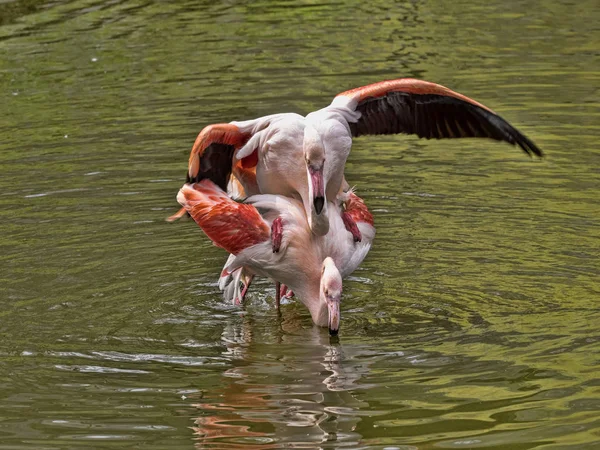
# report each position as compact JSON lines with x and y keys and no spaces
{"x":292,"y":387}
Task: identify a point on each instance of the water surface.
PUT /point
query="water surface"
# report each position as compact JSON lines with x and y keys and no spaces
{"x":474,"y":321}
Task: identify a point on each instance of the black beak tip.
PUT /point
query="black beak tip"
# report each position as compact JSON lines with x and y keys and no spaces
{"x":319,"y":203}
{"x":333,"y":332}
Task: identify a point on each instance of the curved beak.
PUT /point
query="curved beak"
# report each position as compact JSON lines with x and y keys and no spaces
{"x":318,"y":188}
{"x":333,"y":306}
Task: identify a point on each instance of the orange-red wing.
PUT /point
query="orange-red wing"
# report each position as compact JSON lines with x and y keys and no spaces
{"x":407,"y":85}
{"x":357,"y":209}
{"x":230,"y":225}
{"x":429,"y":110}
{"x":212,"y":154}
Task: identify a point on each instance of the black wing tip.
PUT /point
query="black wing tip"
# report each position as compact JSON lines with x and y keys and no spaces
{"x":410,"y":117}
{"x":511,"y":134}
{"x":527,"y":145}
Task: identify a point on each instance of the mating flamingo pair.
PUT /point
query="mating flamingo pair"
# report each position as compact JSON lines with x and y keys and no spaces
{"x":300,"y":224}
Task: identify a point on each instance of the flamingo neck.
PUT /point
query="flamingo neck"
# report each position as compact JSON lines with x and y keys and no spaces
{"x":309,"y":294}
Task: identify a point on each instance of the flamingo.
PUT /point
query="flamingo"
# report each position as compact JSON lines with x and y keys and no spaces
{"x":311,"y":266}
{"x":304,"y":157}
{"x":282,"y":154}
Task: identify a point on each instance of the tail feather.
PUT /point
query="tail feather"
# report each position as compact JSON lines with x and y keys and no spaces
{"x":178,"y":215}
{"x":205,"y":193}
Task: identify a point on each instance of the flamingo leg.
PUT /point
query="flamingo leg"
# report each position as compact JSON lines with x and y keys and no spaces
{"x":351,"y":226}
{"x":277,"y":294}
{"x":245,"y":289}
{"x":276,"y":234}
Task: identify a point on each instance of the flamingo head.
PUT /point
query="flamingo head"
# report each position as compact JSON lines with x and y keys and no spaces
{"x":314,"y":155}
{"x":331,"y":294}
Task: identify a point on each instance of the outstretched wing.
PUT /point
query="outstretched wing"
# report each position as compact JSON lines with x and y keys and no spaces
{"x":230,"y":225}
{"x":428,"y":110}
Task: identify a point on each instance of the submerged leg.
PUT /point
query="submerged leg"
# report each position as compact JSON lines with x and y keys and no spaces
{"x":276,"y":234}
{"x":245,"y":288}
{"x":277,"y":296}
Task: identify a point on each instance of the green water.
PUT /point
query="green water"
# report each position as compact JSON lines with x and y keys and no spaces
{"x":473,"y":323}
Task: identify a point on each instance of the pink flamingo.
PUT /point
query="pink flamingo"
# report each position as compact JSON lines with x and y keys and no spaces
{"x":311,"y":266}
{"x":304,"y":157}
